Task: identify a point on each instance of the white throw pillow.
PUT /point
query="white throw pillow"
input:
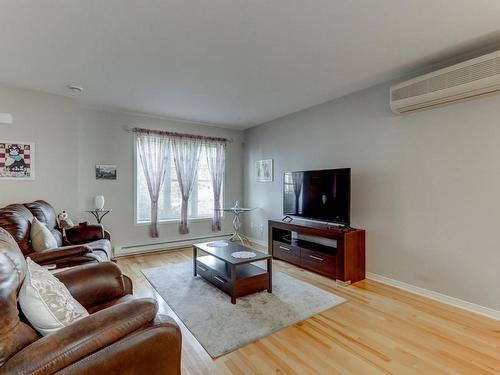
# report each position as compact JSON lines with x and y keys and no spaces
{"x":46,"y":302}
{"x":41,"y":238}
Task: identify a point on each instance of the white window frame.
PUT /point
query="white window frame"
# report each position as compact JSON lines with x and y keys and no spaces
{"x":173,"y":220}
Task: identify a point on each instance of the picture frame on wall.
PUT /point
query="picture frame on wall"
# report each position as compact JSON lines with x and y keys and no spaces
{"x":264,"y":170}
{"x":105,"y":172}
{"x":17,"y":160}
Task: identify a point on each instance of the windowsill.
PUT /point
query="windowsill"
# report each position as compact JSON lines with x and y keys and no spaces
{"x":173,"y":221}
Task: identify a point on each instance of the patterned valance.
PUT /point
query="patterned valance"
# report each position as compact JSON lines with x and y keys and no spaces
{"x":168,"y":134}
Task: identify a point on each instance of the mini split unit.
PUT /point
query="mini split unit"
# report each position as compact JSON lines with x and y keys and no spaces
{"x":465,"y":81}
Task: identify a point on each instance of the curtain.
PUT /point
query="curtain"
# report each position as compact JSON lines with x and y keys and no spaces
{"x":216,"y":160}
{"x":186,"y":157}
{"x":297,"y":180}
{"x":154,"y":152}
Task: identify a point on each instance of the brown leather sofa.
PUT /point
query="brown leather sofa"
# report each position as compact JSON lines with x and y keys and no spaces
{"x":82,"y":243}
{"x":123,"y":335}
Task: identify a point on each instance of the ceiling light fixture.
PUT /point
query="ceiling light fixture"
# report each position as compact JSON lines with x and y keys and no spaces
{"x":74,"y":88}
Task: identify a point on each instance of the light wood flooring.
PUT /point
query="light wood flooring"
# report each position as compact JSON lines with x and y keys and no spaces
{"x":380,"y":330}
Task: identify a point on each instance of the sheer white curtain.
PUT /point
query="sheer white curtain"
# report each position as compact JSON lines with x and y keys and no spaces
{"x":297,"y":180}
{"x":216,"y":160}
{"x":186,"y":152}
{"x":154,"y":153}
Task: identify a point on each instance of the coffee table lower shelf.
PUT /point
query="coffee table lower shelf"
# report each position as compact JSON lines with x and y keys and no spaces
{"x":247,"y":279}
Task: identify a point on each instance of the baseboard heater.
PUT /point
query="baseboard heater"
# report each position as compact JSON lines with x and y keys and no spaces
{"x":164,"y":245}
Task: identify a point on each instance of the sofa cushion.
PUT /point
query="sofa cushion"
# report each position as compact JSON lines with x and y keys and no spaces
{"x":102,"y":248}
{"x":58,"y":236}
{"x":46,"y":302}
{"x":41,"y":237}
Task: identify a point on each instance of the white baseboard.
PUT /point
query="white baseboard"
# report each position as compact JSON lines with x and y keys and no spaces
{"x":469,"y":306}
{"x":120,"y":251}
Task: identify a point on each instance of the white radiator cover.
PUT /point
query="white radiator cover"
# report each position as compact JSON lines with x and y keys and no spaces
{"x":119,"y":251}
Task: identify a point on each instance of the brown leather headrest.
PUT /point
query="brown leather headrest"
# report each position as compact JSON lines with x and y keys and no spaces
{"x":16,"y":219}
{"x":44,"y":212}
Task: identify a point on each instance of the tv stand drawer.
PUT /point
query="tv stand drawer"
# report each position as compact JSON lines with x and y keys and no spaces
{"x":319,"y":262}
{"x":284,"y":251}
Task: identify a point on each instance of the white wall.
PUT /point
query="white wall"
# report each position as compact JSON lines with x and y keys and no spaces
{"x":425,"y":186}
{"x":70,"y":140}
{"x":49,"y":121}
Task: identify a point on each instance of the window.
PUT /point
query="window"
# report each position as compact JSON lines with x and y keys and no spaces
{"x":201,"y":201}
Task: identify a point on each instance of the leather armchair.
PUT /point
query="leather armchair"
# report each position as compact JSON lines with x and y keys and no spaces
{"x":82,"y":244}
{"x":122,"y":334}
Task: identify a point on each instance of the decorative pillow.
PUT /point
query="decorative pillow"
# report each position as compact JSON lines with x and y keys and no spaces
{"x":41,"y":238}
{"x":46,"y":302}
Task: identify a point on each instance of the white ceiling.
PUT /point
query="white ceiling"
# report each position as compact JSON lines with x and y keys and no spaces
{"x":236,"y":63}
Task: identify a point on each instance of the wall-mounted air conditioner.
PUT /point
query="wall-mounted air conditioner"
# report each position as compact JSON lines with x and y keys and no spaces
{"x":467,"y":80}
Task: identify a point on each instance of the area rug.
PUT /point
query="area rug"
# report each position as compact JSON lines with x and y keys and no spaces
{"x":220,"y":326}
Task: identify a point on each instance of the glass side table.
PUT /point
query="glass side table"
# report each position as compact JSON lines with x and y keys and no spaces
{"x":236,"y":210}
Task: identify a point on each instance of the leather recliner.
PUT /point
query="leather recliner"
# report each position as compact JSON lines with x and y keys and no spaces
{"x":122,"y":334}
{"x":82,"y":243}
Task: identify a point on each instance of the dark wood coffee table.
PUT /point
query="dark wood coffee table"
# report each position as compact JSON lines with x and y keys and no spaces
{"x":234,"y":276}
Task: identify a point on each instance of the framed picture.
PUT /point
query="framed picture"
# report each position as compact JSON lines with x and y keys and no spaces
{"x":264,"y":170}
{"x":105,"y":172}
{"x":17,"y":160}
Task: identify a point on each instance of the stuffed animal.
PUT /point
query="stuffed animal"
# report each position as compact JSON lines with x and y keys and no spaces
{"x":64,"y":222}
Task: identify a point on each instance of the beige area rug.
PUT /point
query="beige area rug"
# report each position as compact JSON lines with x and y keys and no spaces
{"x":220,"y":326}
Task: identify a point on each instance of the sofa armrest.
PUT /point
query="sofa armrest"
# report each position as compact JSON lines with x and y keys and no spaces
{"x":82,"y":338}
{"x":95,"y":283}
{"x":49,"y":255}
{"x":154,"y":350}
{"x":84,"y":233}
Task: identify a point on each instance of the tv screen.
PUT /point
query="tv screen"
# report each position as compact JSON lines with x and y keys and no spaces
{"x":321,"y":195}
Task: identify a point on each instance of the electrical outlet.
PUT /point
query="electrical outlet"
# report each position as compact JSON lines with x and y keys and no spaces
{"x":261,"y":229}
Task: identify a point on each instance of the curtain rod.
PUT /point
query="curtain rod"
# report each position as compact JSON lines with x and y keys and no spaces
{"x":180,"y":135}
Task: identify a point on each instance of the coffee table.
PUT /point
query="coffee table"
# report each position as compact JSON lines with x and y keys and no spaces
{"x":235,"y":276}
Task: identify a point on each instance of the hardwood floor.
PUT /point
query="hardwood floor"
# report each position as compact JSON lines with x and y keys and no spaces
{"x":379,"y":330}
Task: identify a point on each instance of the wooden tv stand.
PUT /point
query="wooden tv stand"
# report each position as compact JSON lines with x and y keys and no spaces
{"x":345,"y":262}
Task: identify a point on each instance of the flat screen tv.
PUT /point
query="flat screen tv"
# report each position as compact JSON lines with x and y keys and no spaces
{"x":323,"y":195}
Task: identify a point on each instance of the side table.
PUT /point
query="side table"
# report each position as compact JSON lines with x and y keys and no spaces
{"x":98,"y":214}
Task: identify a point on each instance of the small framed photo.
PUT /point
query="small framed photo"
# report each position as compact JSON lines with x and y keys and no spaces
{"x":17,"y":160}
{"x":105,"y":172}
{"x":264,"y":170}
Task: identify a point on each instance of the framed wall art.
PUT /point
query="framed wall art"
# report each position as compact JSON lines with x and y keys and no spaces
{"x":264,"y":170}
{"x":17,"y":160}
{"x":105,"y":172}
